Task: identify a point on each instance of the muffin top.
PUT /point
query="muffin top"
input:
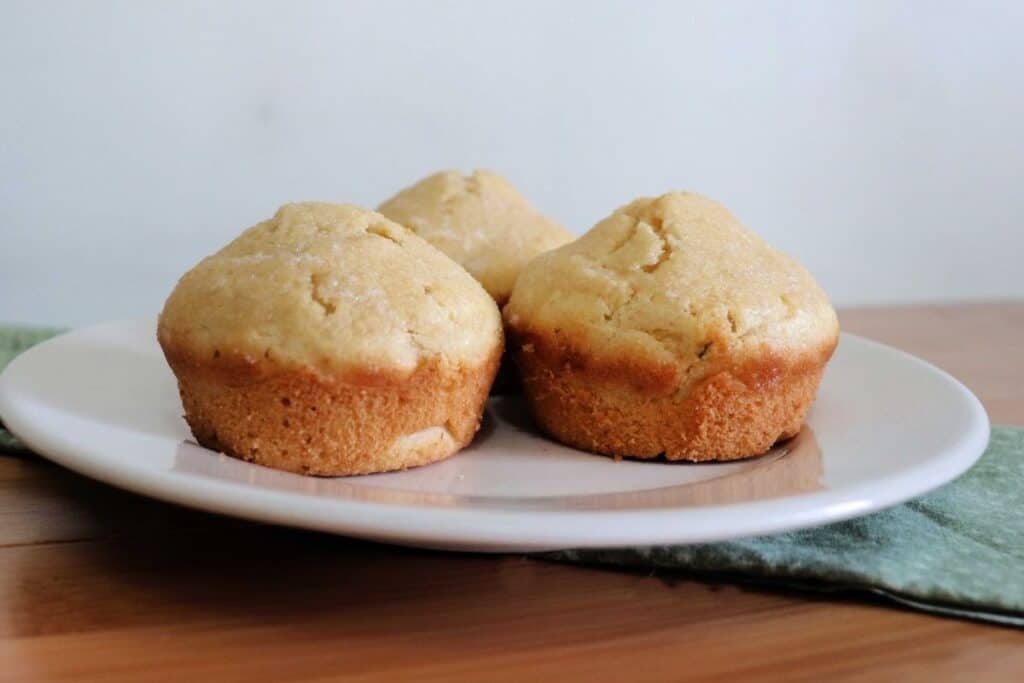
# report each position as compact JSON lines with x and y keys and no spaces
{"x":674,"y":281}
{"x":334,"y":289}
{"x":480,"y":221}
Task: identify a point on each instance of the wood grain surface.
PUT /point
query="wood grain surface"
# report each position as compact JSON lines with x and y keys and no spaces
{"x":100,"y":584}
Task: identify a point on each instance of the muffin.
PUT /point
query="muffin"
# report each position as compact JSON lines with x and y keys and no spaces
{"x":670,"y":330}
{"x":329,"y":340}
{"x":480,"y":221}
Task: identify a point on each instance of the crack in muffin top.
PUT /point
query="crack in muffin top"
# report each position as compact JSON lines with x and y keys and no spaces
{"x":332,"y":288}
{"x":675,"y":280}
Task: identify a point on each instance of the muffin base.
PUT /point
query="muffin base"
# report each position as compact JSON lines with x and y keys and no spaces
{"x":631,"y":410}
{"x":301,"y":422}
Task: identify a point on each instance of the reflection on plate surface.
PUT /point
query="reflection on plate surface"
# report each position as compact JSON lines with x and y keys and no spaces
{"x":510,"y":464}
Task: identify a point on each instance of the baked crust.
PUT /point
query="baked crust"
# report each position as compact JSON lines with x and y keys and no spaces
{"x":631,"y":407}
{"x":304,"y":422}
{"x":670,"y":329}
{"x":481,"y":222}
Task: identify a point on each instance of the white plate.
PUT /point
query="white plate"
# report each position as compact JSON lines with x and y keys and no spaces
{"x":886,"y":427}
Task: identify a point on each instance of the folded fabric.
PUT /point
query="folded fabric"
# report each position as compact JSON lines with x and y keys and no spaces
{"x":957,"y":551}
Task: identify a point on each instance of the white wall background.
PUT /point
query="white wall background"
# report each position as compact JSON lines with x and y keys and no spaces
{"x":880,"y":142}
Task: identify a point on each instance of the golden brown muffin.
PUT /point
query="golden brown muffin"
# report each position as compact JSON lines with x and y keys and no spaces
{"x":329,"y":340}
{"x":670,"y":329}
{"x":480,"y":221}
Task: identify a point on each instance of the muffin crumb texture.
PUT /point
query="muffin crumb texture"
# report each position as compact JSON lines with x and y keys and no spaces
{"x":334,"y":289}
{"x":479,"y":220}
{"x":670,"y":329}
{"x":330,"y":340}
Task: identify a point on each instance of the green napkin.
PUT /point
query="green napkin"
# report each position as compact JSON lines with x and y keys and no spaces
{"x":958,"y":551}
{"x":13,"y":340}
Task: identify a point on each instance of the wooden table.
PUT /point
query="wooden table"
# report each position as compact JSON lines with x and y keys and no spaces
{"x":96,"y":583}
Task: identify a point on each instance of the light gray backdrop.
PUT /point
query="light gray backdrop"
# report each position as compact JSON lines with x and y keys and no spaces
{"x":880,"y":142}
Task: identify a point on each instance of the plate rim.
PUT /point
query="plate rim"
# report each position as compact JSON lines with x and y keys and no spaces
{"x":463,"y":528}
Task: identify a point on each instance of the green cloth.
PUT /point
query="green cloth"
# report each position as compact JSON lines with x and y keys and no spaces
{"x":957,"y":551}
{"x":13,"y":340}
